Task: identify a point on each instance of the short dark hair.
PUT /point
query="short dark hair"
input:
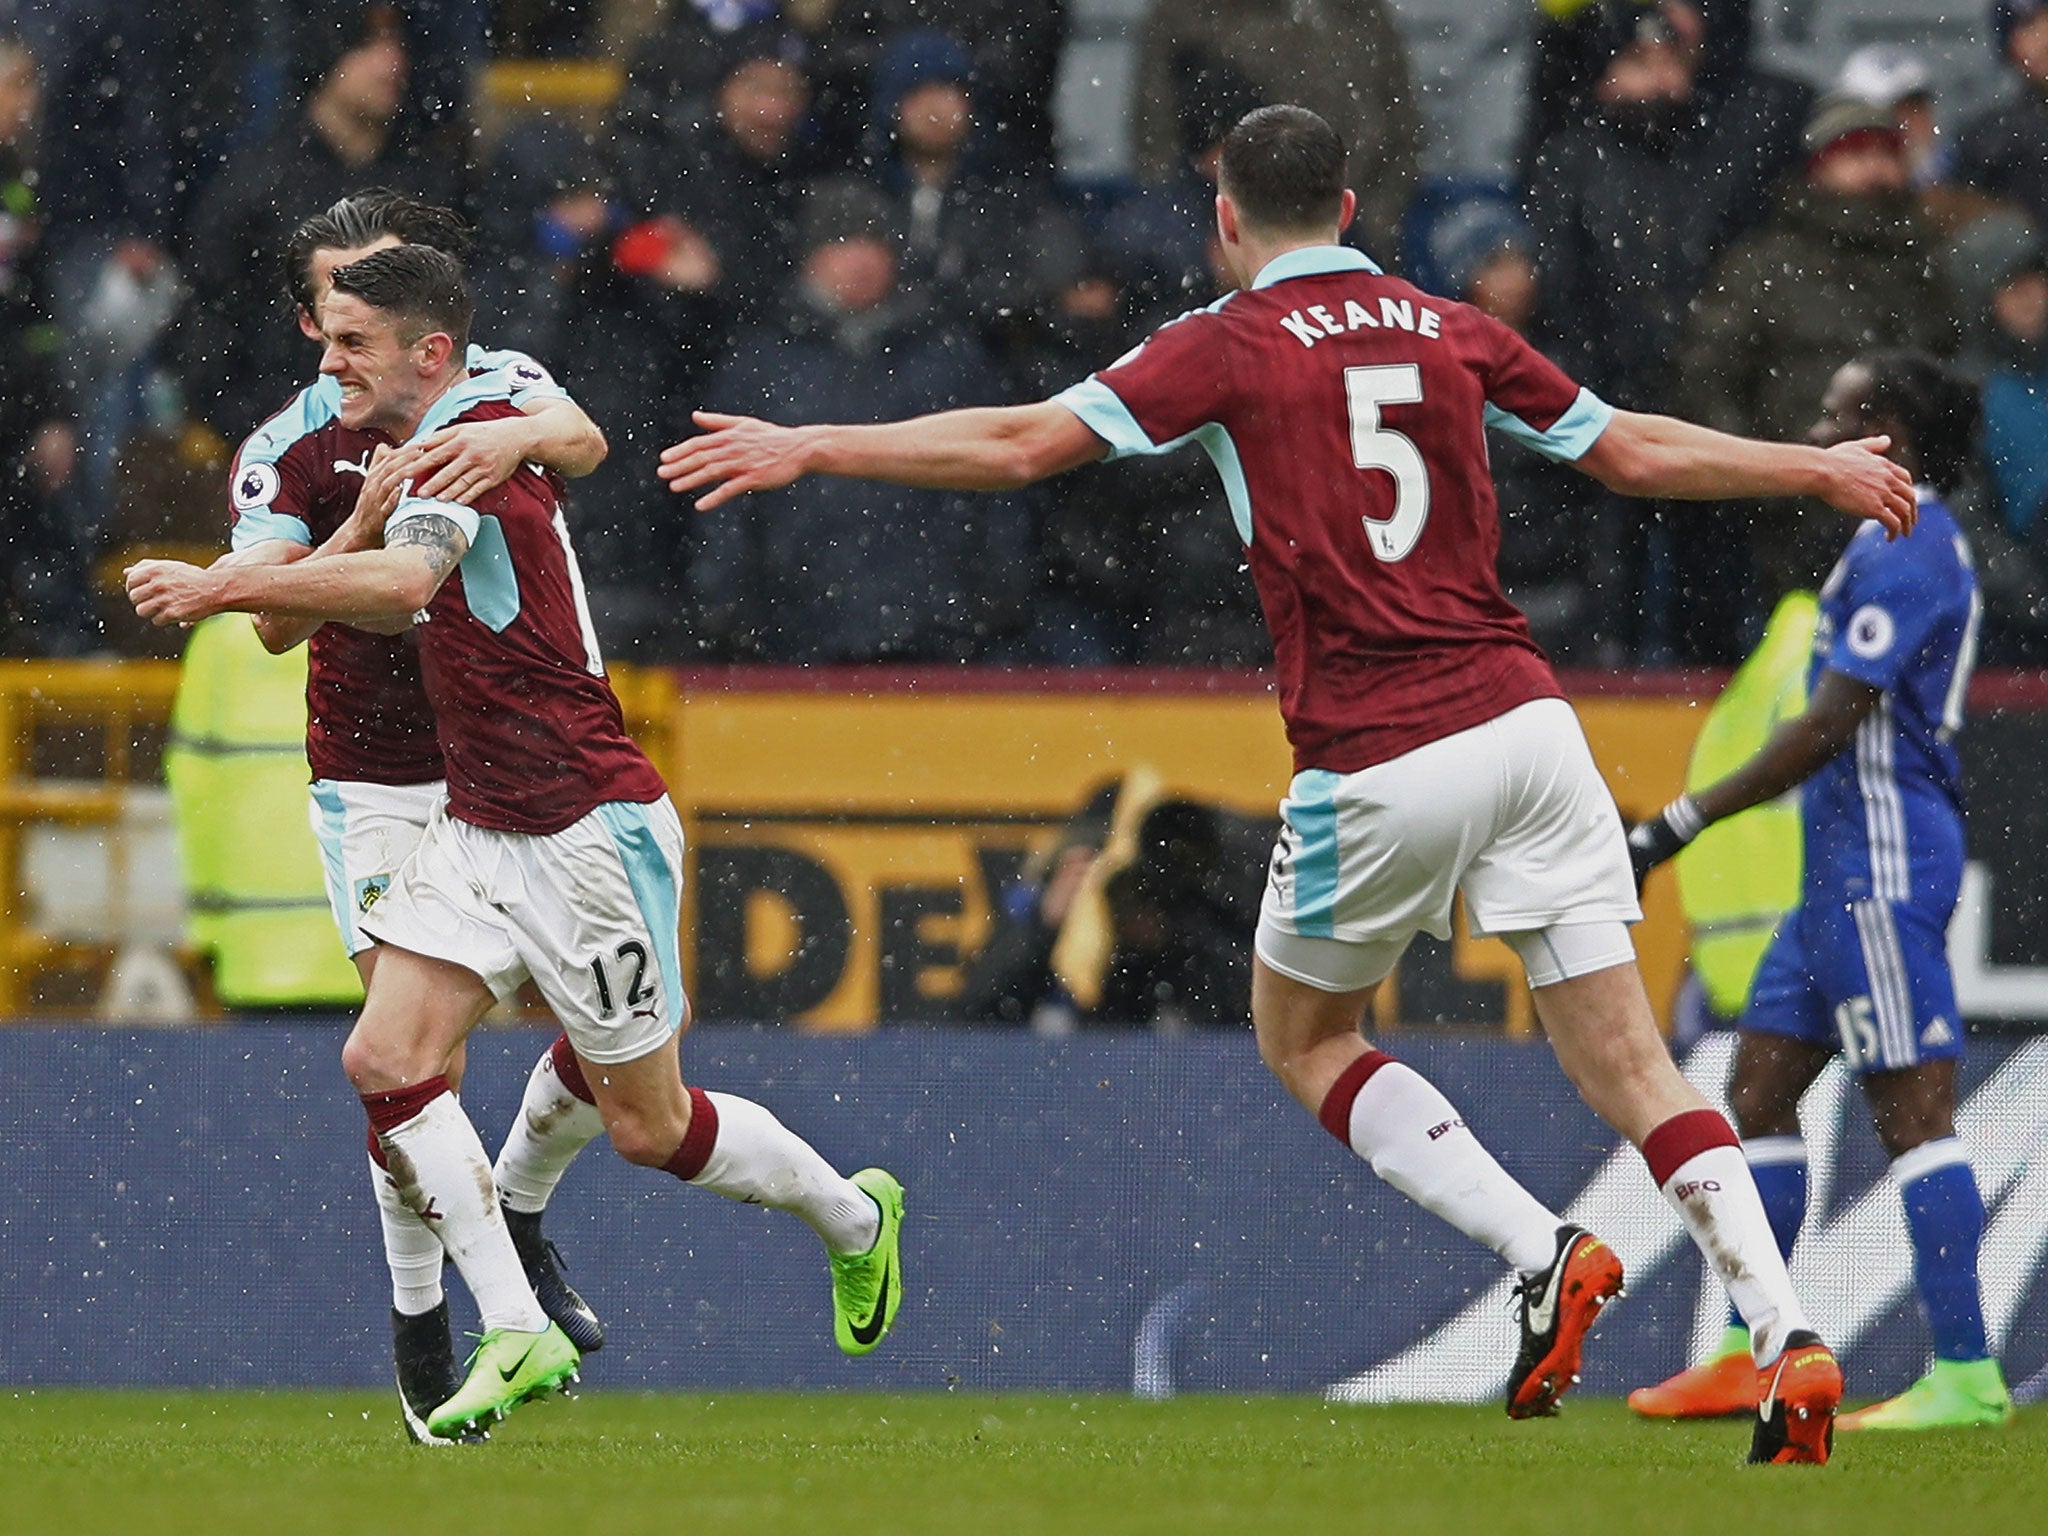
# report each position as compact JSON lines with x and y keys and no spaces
{"x":1284,"y":168}
{"x":424,"y":288}
{"x":1936,"y":407}
{"x":366,"y":216}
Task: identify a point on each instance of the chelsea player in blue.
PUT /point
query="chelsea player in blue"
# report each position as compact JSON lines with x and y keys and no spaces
{"x":1861,"y":966}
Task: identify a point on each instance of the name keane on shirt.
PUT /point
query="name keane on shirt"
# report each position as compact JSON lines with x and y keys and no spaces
{"x":1311,"y":325}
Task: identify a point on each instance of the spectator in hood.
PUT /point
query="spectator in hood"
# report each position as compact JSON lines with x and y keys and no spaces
{"x":1999,"y":267}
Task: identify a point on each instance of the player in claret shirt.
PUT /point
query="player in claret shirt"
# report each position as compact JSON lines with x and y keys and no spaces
{"x":1345,"y":411}
{"x":556,"y":856}
{"x":377,"y":770}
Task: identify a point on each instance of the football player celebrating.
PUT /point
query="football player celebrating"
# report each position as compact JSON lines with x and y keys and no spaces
{"x":1435,"y":754}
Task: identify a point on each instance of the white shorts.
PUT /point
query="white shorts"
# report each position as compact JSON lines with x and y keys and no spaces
{"x":366,"y":832}
{"x":1512,"y":813}
{"x":591,"y":913}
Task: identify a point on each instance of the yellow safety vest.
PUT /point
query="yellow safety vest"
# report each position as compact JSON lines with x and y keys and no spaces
{"x":236,"y":766}
{"x":1738,"y":879}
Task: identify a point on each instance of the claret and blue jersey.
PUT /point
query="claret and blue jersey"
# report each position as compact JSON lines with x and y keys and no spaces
{"x":1346,"y":412}
{"x":1863,"y":961}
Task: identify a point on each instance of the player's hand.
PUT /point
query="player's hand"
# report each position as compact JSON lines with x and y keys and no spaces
{"x":461,"y":462}
{"x":383,"y":487}
{"x":1864,"y":483}
{"x":170,"y":591}
{"x":736,"y":454}
{"x":1652,"y":842}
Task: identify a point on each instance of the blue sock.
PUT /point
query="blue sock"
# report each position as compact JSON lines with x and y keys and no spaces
{"x":1945,"y":1214}
{"x":1778,"y":1164}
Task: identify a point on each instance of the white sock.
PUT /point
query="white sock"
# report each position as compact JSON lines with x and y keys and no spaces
{"x":411,"y":1247}
{"x":758,"y":1159}
{"x":1418,"y":1143}
{"x":1714,"y":1194}
{"x":552,"y":1126}
{"x":442,"y":1173}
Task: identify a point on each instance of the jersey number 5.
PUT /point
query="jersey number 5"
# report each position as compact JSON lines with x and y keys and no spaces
{"x":1376,"y":447}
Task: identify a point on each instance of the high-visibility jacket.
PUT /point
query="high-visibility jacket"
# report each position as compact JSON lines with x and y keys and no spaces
{"x":1738,"y":879}
{"x":236,"y":766}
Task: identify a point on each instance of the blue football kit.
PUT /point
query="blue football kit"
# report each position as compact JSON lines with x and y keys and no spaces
{"x":1862,"y":963}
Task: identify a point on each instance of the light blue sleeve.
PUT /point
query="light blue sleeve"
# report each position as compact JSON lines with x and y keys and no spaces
{"x":1104,"y":414}
{"x":1569,"y":436}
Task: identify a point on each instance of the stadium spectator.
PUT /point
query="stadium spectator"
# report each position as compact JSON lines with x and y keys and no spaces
{"x":1016,"y":46}
{"x":1895,"y":79}
{"x":871,"y":573}
{"x":1343,"y":59}
{"x":1485,"y":255}
{"x":1846,"y":265}
{"x":2004,"y":152}
{"x":720,"y":190}
{"x":2010,"y":353}
{"x":1997,"y":269}
{"x":1629,"y":209}
{"x":47,"y":607}
{"x":1003,"y":252}
{"x":235,"y":351}
{"x":45,"y":596}
{"x":1163,"y":237}
{"x":546,"y":211}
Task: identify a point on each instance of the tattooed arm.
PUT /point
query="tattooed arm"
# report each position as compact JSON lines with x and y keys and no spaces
{"x":373,"y":588}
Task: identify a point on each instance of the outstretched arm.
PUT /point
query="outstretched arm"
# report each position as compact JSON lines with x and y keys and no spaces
{"x":371,"y":587}
{"x":1642,"y":455}
{"x":1795,"y":750}
{"x":985,"y":448}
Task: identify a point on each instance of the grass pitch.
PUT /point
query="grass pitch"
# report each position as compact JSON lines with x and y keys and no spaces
{"x":222,"y":1463}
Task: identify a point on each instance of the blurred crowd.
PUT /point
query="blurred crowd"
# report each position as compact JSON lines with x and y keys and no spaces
{"x":850,"y":209}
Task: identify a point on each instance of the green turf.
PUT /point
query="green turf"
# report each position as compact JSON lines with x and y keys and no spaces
{"x":224,"y":1463}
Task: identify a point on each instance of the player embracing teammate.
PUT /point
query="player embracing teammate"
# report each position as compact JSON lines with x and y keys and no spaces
{"x":1434,"y":752}
{"x":556,"y":855}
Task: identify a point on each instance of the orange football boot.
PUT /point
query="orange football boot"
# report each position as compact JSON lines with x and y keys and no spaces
{"x":1558,"y":1307}
{"x":1797,"y":1395}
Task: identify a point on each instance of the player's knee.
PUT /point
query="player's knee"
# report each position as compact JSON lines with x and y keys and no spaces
{"x":645,"y":1141}
{"x":371,"y":1064}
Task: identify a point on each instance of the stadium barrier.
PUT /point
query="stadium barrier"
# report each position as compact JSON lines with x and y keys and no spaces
{"x":850,"y":830}
{"x":1113,"y":1213}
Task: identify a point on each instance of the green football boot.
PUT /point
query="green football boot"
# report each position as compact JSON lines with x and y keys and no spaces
{"x":867,"y":1288}
{"x":1956,"y":1394}
{"x":508,"y":1368}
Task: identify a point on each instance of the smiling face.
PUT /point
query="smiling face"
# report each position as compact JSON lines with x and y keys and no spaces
{"x":386,"y":383}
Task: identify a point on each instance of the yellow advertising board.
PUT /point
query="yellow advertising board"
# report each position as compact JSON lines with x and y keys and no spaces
{"x":849,"y":834}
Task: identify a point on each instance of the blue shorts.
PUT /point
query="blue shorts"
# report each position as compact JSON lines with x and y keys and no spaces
{"x":1868,"y":978}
